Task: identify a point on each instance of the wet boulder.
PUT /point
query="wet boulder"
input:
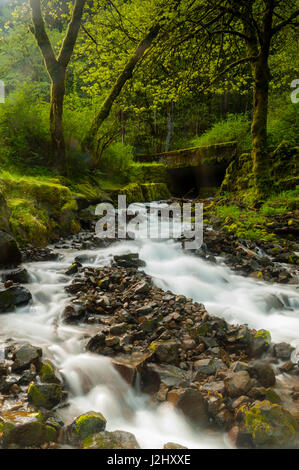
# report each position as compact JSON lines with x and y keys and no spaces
{"x":12,"y":297}
{"x":269,"y":425}
{"x":25,"y":356}
{"x":73,"y":313}
{"x":238,"y":383}
{"x":24,"y":429}
{"x":130,"y":260}
{"x":96,"y":343}
{"x":165,"y":351}
{"x":283,"y":351}
{"x":173,"y":445}
{"x":208,"y":367}
{"x":44,"y":395}
{"x":10,"y":255}
{"x":263,"y":372}
{"x":111,"y":440}
{"x":171,"y":376}
{"x":260,"y":343}
{"x":19,"y":276}
{"x":86,"y":425}
{"x":131,"y":367}
{"x":48,"y":374}
{"x":191,"y":403}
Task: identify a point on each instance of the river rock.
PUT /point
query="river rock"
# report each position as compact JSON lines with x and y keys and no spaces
{"x":269,"y":425}
{"x":111,"y":440}
{"x":25,"y":356}
{"x":86,"y":425}
{"x":24,"y":429}
{"x":73,"y":269}
{"x":173,"y":445}
{"x":96,"y":343}
{"x":19,"y":276}
{"x":191,"y":403}
{"x":238,"y":383}
{"x":12,"y":297}
{"x":165,"y":351}
{"x":44,"y":395}
{"x":130,"y":260}
{"x":48,"y":374}
{"x":208,"y":367}
{"x":10,"y":254}
{"x":263,"y":372}
{"x":283,"y":350}
{"x":167,"y":374}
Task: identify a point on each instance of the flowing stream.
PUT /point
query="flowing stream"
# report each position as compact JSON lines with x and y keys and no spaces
{"x":93,"y":382}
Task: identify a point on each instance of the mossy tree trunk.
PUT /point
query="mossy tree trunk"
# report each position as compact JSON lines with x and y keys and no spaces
{"x":260,"y":156}
{"x":56,"y":68}
{"x":258,"y":45}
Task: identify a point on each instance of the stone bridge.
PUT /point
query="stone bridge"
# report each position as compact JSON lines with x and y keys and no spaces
{"x":198,"y":169}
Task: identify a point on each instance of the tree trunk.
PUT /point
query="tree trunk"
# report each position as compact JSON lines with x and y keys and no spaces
{"x":259,"y":124}
{"x":170,"y":127}
{"x":56,"y":127}
{"x":56,"y":68}
{"x":90,"y":142}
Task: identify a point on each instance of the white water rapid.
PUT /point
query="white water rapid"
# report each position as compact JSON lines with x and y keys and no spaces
{"x":93,"y":382}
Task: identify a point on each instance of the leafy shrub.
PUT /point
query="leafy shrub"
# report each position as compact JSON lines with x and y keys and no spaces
{"x":24,"y":128}
{"x":285,"y":126}
{"x":117,"y":159}
{"x":234,"y":127}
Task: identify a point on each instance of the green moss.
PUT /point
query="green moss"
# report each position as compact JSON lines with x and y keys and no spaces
{"x":272,"y":396}
{"x":28,"y":224}
{"x":47,"y":373}
{"x":155,"y":191}
{"x":265,"y":335}
{"x":269,"y":424}
{"x":24,"y":429}
{"x":88,"y":424}
{"x":44,"y":395}
{"x":148,"y":173}
{"x":50,"y":434}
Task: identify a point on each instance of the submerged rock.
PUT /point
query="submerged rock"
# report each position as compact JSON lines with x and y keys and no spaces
{"x":20,"y":275}
{"x":10,"y":254}
{"x":12,"y":297}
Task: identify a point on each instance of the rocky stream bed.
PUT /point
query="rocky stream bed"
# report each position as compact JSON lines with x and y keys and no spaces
{"x":108,"y":344}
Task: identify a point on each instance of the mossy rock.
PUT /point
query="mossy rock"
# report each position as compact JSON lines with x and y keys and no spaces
{"x":269,"y":425}
{"x":148,"y":173}
{"x":88,"y":424}
{"x":155,"y":191}
{"x":28,"y":224}
{"x":48,"y":374}
{"x":111,"y":440}
{"x":44,"y":395}
{"x":4,"y":214}
{"x":24,"y":429}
